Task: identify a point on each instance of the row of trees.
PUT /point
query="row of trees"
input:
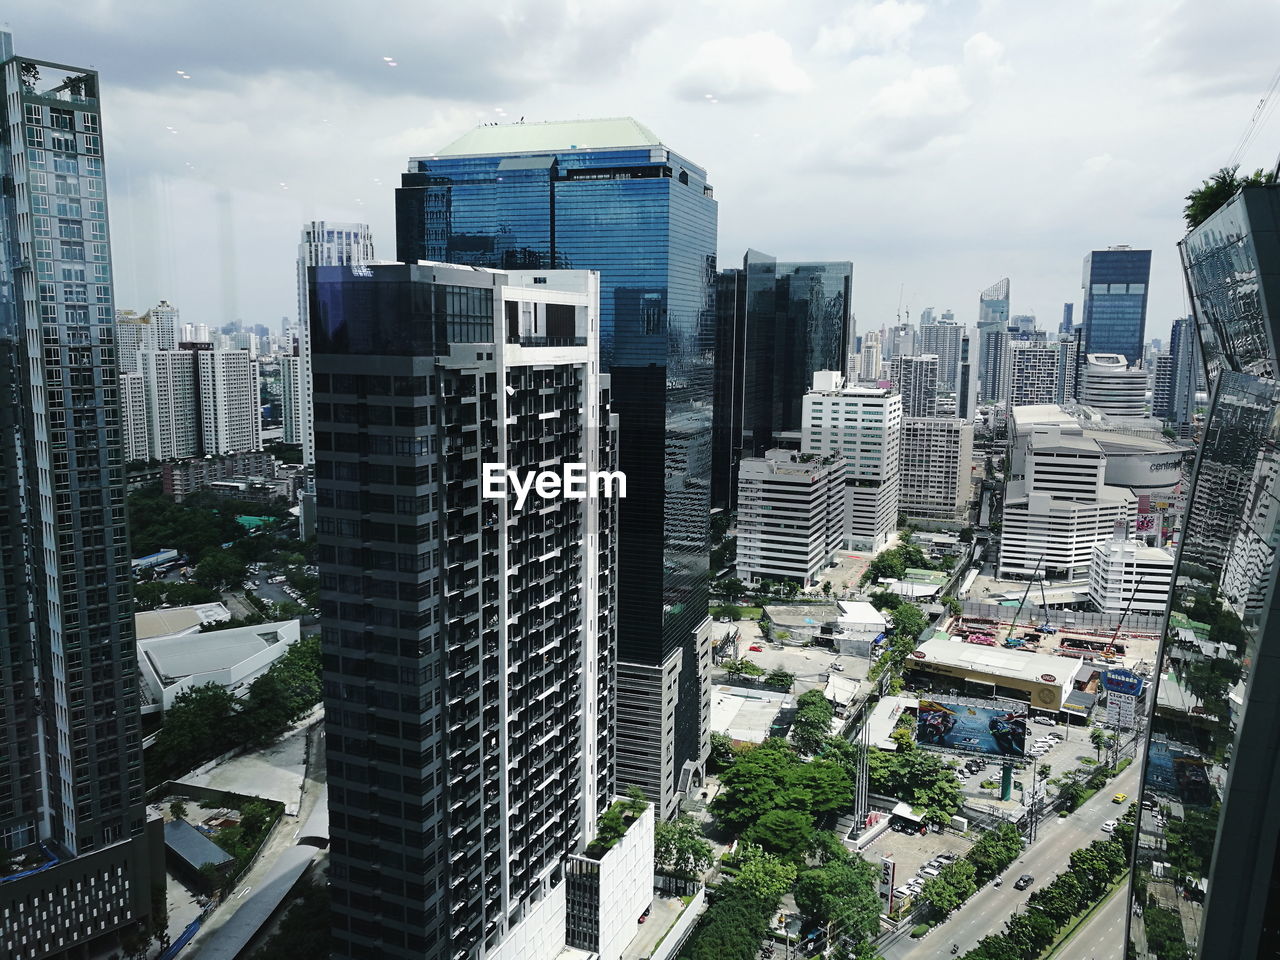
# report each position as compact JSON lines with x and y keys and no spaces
{"x":1091,"y":872}
{"x":893,"y":563}
{"x":150,"y":596}
{"x":959,"y":881}
{"x":740,"y":667}
{"x":908,"y":622}
{"x":210,"y":720}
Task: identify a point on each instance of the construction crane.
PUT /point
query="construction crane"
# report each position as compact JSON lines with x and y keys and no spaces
{"x":1023,"y":602}
{"x":1110,"y":650}
{"x":1047,"y":626}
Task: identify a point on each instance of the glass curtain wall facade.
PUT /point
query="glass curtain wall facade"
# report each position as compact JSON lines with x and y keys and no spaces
{"x":1206,"y":882}
{"x":71,"y":781}
{"x":1114,"y":317}
{"x":607,"y":195}
{"x":993,"y":335}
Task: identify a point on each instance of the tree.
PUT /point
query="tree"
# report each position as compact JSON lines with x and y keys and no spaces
{"x":202,"y":723}
{"x":1213,"y":193}
{"x":826,"y":588}
{"x":721,"y":751}
{"x":994,"y":851}
{"x":636,"y":802}
{"x":953,"y":885}
{"x":1071,"y":792}
{"x":812,"y":723}
{"x":966,"y":535}
{"x":1098,"y":737}
{"x":784,"y":832}
{"x":841,"y":894}
{"x":732,"y":588}
{"x":218,"y":570}
{"x":610,"y":828}
{"x":680,"y":849}
{"x":178,"y":810}
{"x":780,"y":679}
{"x":732,"y":927}
{"x":765,"y":877}
{"x":752,"y":785}
{"x":995,"y":947}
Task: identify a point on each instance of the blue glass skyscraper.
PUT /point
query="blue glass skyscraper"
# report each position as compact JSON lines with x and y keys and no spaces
{"x":607,"y":195}
{"x":1114,"y":317}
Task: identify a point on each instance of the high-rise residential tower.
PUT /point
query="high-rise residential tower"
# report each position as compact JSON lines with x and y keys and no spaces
{"x":916,"y":378}
{"x":324,"y":243}
{"x":609,"y":195}
{"x":943,"y":340}
{"x":870,"y":360}
{"x":1038,"y":371}
{"x":1207,"y":874}
{"x":1114,"y":314}
{"x":230,"y":411}
{"x":469,"y":635}
{"x":71,"y":782}
{"x":993,"y":334}
{"x":1186,"y":371}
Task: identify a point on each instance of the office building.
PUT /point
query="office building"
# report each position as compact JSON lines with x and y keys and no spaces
{"x":609,"y":195}
{"x":902,"y":341}
{"x":1114,"y":314}
{"x":792,"y":319}
{"x":1162,"y":386}
{"x":1212,"y":754}
{"x":71,"y":780}
{"x":133,"y":417}
{"x":1127,"y":576}
{"x":944,"y":339}
{"x":790,"y":515}
{"x":230,"y":411}
{"x":936,"y":468}
{"x":916,"y":378}
{"x":324,"y":243}
{"x":1061,"y":509}
{"x":730,"y":354}
{"x":993,"y":334}
{"x":967,"y":379}
{"x":864,"y":426}
{"x":1109,"y":384}
{"x":482,"y":654}
{"x":1038,"y":371}
{"x":1023,"y":324}
{"x":1066,"y":326}
{"x":870,"y":360}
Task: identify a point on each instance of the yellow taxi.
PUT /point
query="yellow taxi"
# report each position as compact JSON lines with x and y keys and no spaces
{"x":1120,"y":798}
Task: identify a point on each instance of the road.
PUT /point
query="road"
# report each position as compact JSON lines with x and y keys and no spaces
{"x":986,"y":912}
{"x":1102,"y":938}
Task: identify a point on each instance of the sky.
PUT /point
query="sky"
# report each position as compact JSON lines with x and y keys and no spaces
{"x":939,"y":146}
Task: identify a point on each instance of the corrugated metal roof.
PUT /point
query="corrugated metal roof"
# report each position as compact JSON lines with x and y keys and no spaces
{"x":192,"y":845}
{"x":552,"y":135}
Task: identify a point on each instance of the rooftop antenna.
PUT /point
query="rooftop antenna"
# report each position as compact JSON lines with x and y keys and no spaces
{"x":901,"y":286}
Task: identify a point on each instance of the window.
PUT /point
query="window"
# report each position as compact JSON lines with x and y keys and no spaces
{"x":92,"y":145}
{"x":89,"y":122}
{"x":35,"y":158}
{"x":73,"y":274}
{"x":66,"y":186}
{"x":39,"y":181}
{"x":34,"y":113}
{"x":69,"y":207}
{"x":41,"y":226}
{"x":65,"y":143}
{"x":68,"y":250}
{"x":35,"y":136}
{"x":97,"y":209}
{"x":65,"y":163}
{"x":70,"y":230}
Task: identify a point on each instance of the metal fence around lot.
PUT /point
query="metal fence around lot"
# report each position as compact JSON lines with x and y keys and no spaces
{"x":1065,"y":619}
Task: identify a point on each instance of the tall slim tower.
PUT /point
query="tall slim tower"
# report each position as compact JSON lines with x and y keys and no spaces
{"x":1114,"y":315}
{"x":608,"y":195}
{"x":325,"y":243}
{"x":469,"y":637}
{"x":993,"y":335}
{"x":71,"y":784}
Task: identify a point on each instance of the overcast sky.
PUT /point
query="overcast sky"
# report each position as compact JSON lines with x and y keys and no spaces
{"x":939,"y":146}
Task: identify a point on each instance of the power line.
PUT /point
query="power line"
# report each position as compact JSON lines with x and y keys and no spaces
{"x":1254,"y":126}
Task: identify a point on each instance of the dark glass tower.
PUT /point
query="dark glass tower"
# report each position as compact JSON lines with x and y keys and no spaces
{"x":778,"y":324}
{"x":71,"y":783}
{"x":1114,"y":316}
{"x":1207,"y":868}
{"x":468,"y":640}
{"x":993,"y":338}
{"x":607,"y":195}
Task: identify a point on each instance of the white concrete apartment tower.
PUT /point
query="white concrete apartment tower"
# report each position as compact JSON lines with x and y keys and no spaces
{"x":133,"y":416}
{"x":863,"y":425}
{"x":230,"y":409}
{"x":325,"y":243}
{"x":169,"y":388}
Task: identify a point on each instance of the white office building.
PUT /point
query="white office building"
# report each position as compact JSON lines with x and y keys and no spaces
{"x":790,"y":515}
{"x":325,"y":243}
{"x":1062,"y":508}
{"x":133,"y":416}
{"x":230,"y":409}
{"x":169,"y":386}
{"x":1110,"y":385}
{"x":1128,"y":575}
{"x":936,"y":468}
{"x":864,"y":426}
{"x":916,"y":378}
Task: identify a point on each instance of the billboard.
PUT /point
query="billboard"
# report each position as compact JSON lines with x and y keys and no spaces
{"x":887,"y":871}
{"x":958,"y":726}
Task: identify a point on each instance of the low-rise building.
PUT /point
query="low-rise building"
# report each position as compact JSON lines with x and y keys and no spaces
{"x":1127,"y":575}
{"x":184,"y":477}
{"x":859,"y":627}
{"x":1111,"y":385}
{"x":946,"y":664}
{"x":609,"y":891}
{"x":791,"y":510}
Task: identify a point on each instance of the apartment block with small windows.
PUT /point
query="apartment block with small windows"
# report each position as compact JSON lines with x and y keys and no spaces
{"x":863,"y":425}
{"x":916,"y":378}
{"x":1129,"y":576}
{"x":790,"y":515}
{"x":936,"y":468}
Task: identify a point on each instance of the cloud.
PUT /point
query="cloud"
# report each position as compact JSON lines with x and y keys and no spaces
{"x":753,"y":67}
{"x":924,"y":92}
{"x":870,"y":27}
{"x":984,"y":54}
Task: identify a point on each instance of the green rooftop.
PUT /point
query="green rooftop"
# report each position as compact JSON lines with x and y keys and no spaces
{"x":550,"y":136}
{"x":1179,"y":619}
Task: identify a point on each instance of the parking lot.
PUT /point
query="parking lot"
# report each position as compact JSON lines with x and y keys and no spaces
{"x":910,"y":851}
{"x":811,"y":665}
{"x":1066,"y":755}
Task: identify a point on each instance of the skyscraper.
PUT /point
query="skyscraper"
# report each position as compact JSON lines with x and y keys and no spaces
{"x":1212,"y":754}
{"x":1162,"y":386}
{"x":71,"y":783}
{"x":943,"y":339}
{"x":1112,"y":386}
{"x":1187,"y":370}
{"x":916,"y":379}
{"x":869,"y":358}
{"x":230,"y":411}
{"x":325,"y":243}
{"x":608,"y":195}
{"x":1068,"y":320}
{"x":935,"y":466}
{"x":993,"y":334}
{"x":1114,"y":316}
{"x":1038,"y":371}
{"x":469,"y":638}
{"x":170,"y":387}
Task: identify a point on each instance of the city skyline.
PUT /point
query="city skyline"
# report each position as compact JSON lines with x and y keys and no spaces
{"x":923,"y":90}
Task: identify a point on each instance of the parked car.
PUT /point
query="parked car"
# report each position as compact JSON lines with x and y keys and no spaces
{"x":1108,"y":826}
{"x":930,"y":871}
{"x":725,"y":620}
{"x":1024,"y":881}
{"x":756,"y":648}
{"x":838,"y":666}
{"x":1046,"y":721}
